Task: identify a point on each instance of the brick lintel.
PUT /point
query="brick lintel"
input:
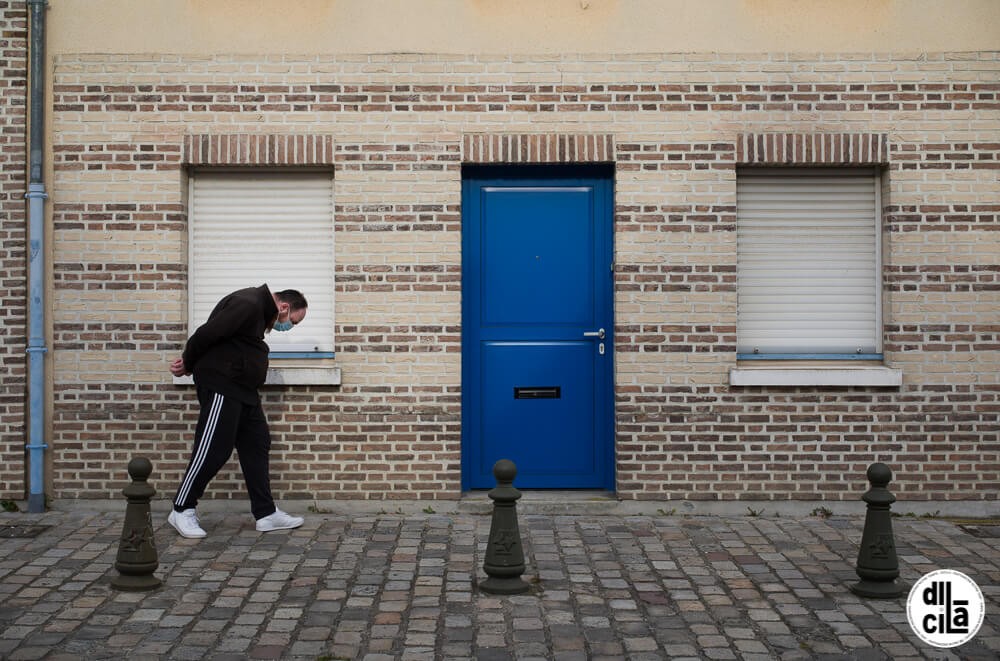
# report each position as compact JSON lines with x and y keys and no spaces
{"x":538,"y":148}
{"x":254,"y":149}
{"x":812,"y":149}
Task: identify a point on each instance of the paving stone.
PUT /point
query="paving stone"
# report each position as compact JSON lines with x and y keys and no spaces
{"x":392,"y":586}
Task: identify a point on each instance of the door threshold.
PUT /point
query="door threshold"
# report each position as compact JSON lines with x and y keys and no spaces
{"x":546,"y":501}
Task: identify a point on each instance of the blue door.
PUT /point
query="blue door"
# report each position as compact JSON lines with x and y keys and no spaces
{"x":537,"y":326}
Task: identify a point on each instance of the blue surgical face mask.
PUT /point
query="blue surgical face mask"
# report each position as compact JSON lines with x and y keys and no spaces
{"x":286,"y":325}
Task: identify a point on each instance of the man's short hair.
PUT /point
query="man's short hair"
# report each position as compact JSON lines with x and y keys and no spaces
{"x":294,"y":298}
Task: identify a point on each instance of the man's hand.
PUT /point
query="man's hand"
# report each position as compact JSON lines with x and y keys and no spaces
{"x":177,"y":368}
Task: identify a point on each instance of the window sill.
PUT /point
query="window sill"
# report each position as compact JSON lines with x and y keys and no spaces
{"x":812,"y":375}
{"x":289,"y":376}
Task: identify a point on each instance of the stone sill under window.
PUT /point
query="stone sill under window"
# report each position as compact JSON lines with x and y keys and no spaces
{"x":814,"y":373}
{"x":290,"y":376}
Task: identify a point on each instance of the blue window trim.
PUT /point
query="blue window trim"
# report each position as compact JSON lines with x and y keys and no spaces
{"x":808,"y":356}
{"x":281,"y":355}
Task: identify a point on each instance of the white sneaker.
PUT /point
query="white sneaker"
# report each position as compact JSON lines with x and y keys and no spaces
{"x":186,"y":523}
{"x":279,"y":521}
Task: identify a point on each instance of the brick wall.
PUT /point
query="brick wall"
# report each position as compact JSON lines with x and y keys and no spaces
{"x":13,"y":257}
{"x":401,"y":126}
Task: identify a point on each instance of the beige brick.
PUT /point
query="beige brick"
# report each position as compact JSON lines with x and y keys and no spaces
{"x":659,"y":111}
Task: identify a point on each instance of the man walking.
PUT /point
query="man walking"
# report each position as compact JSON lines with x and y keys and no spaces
{"x":228,"y":357}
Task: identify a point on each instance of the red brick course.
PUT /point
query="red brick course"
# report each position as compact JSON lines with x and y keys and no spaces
{"x":13,"y":253}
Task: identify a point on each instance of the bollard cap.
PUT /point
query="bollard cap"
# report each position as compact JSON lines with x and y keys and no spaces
{"x":879,"y":475}
{"x":504,"y":471}
{"x":140,"y":468}
{"x":504,"y":492}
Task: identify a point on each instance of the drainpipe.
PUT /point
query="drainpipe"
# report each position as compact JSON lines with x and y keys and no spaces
{"x":36,"y":263}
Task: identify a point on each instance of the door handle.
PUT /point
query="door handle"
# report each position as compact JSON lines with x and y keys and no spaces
{"x":599,"y":334}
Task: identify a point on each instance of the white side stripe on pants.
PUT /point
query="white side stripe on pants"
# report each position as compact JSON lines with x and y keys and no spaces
{"x":202,"y":452}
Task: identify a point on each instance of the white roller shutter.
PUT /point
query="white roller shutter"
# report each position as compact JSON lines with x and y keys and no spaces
{"x":249,"y":229}
{"x":808,"y":261}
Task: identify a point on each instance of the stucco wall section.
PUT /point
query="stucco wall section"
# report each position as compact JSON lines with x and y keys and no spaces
{"x":461,"y":27}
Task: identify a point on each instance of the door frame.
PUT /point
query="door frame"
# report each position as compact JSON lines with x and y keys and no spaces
{"x":473,"y":176}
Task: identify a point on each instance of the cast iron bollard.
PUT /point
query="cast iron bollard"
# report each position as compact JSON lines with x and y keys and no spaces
{"x":878,"y":567}
{"x":137,"y":559}
{"x":504,"y":555}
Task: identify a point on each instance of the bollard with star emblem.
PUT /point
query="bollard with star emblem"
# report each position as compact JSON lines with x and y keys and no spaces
{"x":137,"y":558}
{"x":504,"y":562}
{"x":878,"y":566}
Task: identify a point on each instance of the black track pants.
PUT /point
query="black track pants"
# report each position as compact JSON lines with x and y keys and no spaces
{"x":226,"y":423}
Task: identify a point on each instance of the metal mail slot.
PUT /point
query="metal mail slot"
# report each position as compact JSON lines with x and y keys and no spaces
{"x":537,"y":392}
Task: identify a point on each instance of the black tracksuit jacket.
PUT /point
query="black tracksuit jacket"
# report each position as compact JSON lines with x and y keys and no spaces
{"x":227,"y":353}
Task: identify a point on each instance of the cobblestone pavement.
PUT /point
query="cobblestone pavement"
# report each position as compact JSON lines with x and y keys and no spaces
{"x":404,"y":586}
